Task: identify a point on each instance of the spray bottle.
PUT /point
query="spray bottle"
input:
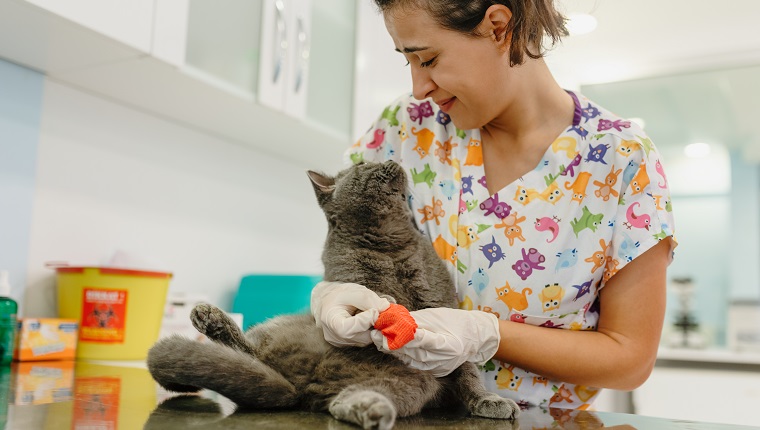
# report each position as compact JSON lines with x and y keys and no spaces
{"x":8,"y":322}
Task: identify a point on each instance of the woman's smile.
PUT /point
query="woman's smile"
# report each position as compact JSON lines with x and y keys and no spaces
{"x":446,"y":104}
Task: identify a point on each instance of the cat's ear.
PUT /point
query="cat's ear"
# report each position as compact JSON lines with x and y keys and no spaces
{"x":323,"y":185}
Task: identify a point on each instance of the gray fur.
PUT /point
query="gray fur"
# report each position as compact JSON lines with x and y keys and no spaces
{"x":286,"y":363}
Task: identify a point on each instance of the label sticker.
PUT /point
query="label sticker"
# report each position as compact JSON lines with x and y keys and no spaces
{"x":96,"y":403}
{"x":104,"y":314}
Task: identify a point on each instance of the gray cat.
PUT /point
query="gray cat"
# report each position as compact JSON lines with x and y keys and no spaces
{"x":286,"y":363}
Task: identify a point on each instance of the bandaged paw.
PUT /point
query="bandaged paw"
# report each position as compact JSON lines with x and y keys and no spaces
{"x":445,"y":338}
{"x":397,"y":325}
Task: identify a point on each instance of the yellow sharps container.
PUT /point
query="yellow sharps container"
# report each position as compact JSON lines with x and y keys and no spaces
{"x":119,"y":310}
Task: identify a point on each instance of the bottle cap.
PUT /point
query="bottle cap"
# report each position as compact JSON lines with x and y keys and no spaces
{"x":5,"y":286}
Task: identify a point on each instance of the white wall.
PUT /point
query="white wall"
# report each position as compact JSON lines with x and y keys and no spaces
{"x":20,"y":99}
{"x":111,"y":178}
{"x":380,"y":73}
{"x":744,"y":245}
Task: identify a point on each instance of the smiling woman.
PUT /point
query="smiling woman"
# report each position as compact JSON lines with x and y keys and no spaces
{"x":515,"y":180}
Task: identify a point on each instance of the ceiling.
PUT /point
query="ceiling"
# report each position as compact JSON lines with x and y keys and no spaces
{"x":690,"y":71}
{"x":643,"y":38}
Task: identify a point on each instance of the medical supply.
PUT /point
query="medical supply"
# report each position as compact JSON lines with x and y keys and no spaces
{"x":8,"y":310}
{"x":46,"y":339}
{"x":119,"y":310}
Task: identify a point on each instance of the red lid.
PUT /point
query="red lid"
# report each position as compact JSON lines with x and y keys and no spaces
{"x":114,"y":271}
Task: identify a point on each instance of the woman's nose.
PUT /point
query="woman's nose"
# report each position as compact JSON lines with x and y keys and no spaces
{"x":422,"y":84}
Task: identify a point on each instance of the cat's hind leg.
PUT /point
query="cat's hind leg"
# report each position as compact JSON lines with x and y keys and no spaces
{"x":465,"y":383}
{"x":217,"y":326}
{"x":184,"y":365}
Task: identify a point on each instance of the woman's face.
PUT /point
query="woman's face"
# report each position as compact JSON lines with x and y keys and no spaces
{"x":466,"y":76}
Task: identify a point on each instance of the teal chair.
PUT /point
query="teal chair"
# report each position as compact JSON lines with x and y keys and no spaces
{"x":261,"y":297}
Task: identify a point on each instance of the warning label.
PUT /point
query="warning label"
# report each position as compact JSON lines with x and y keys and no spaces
{"x":104,"y":315}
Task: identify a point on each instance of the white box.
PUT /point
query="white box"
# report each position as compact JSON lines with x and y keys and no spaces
{"x":743,"y":328}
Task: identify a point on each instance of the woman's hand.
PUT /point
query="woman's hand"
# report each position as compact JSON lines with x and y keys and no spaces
{"x":445,"y":339}
{"x":346,"y":312}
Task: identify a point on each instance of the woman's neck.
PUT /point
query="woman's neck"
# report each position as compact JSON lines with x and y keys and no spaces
{"x":538,"y":107}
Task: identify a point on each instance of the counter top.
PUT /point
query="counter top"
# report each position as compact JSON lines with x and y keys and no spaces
{"x":709,"y":355}
{"x":75,"y":395}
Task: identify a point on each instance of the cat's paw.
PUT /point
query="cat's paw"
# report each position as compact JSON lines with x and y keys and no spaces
{"x":211,"y":321}
{"x":495,"y":406}
{"x":369,"y":409}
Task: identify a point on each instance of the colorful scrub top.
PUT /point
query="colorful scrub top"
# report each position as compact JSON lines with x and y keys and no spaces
{"x":540,"y":249}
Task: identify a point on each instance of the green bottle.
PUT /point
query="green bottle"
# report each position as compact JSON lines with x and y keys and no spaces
{"x":8,"y":322}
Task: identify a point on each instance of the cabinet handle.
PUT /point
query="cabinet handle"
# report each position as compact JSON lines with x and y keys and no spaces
{"x":303,"y":54}
{"x":280,"y":40}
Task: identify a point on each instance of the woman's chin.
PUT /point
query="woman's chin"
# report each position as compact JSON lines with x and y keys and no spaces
{"x":466,"y":123}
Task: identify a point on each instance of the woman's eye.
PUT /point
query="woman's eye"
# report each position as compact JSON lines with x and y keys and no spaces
{"x":428,"y":63}
{"x":424,"y":63}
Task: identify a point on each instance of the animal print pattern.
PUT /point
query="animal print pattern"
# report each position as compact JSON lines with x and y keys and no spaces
{"x":540,"y":249}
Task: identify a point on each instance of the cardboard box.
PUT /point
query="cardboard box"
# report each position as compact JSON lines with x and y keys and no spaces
{"x":46,"y":339}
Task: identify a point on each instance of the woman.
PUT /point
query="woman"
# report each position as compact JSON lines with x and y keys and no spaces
{"x":554,"y":214}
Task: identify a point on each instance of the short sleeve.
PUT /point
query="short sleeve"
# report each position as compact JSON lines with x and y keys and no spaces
{"x":382,"y":142}
{"x":644,"y":213}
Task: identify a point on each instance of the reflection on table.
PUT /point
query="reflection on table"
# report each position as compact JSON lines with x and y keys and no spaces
{"x":82,"y":395}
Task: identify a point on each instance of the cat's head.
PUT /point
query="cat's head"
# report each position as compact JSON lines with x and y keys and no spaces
{"x":363,"y":193}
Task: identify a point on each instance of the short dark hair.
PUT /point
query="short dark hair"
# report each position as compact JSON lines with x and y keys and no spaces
{"x":531,"y":20}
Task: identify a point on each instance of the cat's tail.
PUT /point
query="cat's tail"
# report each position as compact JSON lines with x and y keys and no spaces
{"x":184,"y":365}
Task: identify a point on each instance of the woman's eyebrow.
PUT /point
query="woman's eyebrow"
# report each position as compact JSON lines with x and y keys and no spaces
{"x":411,"y":49}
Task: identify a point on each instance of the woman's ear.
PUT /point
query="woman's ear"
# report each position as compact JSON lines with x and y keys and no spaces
{"x":495,"y":24}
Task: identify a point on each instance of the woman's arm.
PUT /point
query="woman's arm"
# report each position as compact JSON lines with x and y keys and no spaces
{"x":621,"y":353}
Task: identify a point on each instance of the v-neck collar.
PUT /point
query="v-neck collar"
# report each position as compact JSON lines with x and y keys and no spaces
{"x":558,"y":155}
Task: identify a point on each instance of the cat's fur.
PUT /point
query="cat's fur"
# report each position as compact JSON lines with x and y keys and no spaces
{"x":285,"y":361}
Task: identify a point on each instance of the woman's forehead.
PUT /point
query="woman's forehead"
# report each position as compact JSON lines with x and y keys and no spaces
{"x":413,"y":28}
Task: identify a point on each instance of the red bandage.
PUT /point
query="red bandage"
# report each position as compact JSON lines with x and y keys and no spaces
{"x":397,"y":325}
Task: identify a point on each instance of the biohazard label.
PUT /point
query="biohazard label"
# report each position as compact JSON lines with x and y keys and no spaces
{"x":104,"y":314}
{"x":96,"y":403}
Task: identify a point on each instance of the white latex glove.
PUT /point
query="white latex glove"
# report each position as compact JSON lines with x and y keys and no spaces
{"x":346,"y":312}
{"x":445,"y":339}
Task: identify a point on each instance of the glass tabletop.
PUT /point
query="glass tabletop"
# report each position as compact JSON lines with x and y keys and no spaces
{"x":83,"y":395}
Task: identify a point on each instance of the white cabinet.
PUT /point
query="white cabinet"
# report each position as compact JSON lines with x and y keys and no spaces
{"x":222,"y":42}
{"x":274,"y":53}
{"x":709,"y":395}
{"x":128,"y":21}
{"x":285,"y":51}
{"x":269,"y":50}
{"x":299,"y":54}
{"x":197,"y":62}
{"x":169,"y":30}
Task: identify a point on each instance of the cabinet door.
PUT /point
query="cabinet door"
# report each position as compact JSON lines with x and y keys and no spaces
{"x":299,"y":50}
{"x":128,"y":21}
{"x":223,"y":40}
{"x":274,"y":53}
{"x":170,"y":31}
